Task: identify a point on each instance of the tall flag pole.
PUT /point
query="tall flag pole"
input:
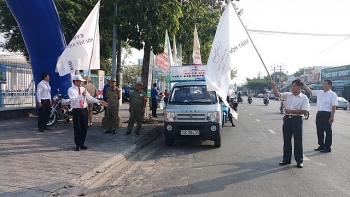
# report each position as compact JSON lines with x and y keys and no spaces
{"x":197,"y":60}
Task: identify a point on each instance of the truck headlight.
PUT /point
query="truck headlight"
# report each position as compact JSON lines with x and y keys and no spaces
{"x":213,"y":116}
{"x":169,"y":116}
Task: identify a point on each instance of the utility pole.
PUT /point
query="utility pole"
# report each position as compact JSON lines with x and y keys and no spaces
{"x":274,"y":72}
{"x":259,"y":73}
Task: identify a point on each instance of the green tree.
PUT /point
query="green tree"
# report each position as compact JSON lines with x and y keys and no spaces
{"x":143,"y":24}
{"x":130,"y":73}
{"x":258,"y":85}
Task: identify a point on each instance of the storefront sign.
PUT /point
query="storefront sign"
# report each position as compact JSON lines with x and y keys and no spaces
{"x":336,"y":73}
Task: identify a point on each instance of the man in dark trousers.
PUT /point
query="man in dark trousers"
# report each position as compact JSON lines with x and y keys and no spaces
{"x":43,"y":96}
{"x":295,"y":106}
{"x":327,"y":102}
{"x":154,"y":97}
{"x":78,"y":96}
{"x":104,"y":95}
{"x":137,"y":107}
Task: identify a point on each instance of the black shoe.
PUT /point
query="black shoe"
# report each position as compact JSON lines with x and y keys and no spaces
{"x":77,"y":148}
{"x":107,"y":132}
{"x":300,"y":165}
{"x":233,"y":125}
{"x":127,"y":133}
{"x":47,"y":128}
{"x":283,"y":163}
{"x":83,"y":147}
{"x":137,"y":132}
{"x":320,"y":148}
{"x":326,"y":150}
{"x":114,"y":132}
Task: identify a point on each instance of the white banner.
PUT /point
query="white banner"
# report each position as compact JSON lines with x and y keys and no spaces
{"x":197,"y":59}
{"x":83,"y":51}
{"x":167,"y":48}
{"x":230,"y":49}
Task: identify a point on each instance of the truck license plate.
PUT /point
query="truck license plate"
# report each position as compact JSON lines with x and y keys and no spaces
{"x":189,"y":132}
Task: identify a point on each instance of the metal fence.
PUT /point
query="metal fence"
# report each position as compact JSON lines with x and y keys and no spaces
{"x":17,"y":85}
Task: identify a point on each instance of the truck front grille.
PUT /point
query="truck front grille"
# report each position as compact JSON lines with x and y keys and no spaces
{"x":190,"y":117}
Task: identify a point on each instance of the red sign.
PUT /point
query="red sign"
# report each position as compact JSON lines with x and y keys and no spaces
{"x":162,"y":61}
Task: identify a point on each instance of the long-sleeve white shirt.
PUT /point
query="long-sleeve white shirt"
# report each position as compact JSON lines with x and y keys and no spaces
{"x":74,"y":96}
{"x":43,"y":91}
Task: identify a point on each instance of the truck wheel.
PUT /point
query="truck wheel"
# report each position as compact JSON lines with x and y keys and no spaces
{"x":169,"y":142}
{"x":217,"y":142}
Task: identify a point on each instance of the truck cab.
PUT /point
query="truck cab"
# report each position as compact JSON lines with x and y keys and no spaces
{"x":193,"y":112}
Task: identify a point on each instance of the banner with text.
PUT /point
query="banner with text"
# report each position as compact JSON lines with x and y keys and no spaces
{"x":187,"y":73}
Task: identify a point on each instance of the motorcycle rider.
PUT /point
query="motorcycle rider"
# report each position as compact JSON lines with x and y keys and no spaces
{"x":239,"y":96}
{"x":266,"y":98}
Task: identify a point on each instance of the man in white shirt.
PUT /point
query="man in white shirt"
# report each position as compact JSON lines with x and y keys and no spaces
{"x":295,"y":106}
{"x":327,"y":102}
{"x":43,"y":96}
{"x":78,"y":96}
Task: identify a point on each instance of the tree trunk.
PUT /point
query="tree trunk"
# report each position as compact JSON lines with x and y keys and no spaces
{"x":119,"y":66}
{"x":145,"y":66}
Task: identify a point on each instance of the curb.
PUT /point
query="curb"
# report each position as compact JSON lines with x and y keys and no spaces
{"x":95,"y":174}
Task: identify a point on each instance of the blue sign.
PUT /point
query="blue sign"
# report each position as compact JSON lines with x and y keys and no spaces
{"x":155,"y":74}
{"x":2,"y":74}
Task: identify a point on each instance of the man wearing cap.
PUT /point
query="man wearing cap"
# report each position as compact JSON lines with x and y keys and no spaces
{"x":92,"y":90}
{"x":137,"y":108}
{"x":104,"y":92}
{"x":78,"y":96}
{"x":113,"y":96}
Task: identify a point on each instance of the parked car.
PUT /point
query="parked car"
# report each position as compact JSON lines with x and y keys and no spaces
{"x":343,"y":103}
{"x":260,"y":95}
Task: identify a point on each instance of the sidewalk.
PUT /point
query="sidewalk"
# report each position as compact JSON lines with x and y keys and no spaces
{"x":35,"y":164}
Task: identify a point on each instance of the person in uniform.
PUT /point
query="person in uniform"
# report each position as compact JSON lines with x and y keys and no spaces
{"x":296,"y":104}
{"x":92,"y":90}
{"x":137,"y":108}
{"x":113,"y":94}
{"x":326,"y":105}
{"x":105,"y":91}
{"x":43,"y":96}
{"x":78,"y":96}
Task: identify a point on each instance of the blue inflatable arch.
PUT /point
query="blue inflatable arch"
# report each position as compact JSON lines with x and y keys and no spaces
{"x":42,"y":33}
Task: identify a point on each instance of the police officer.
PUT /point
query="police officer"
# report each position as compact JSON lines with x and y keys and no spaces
{"x":326,"y":105}
{"x":137,"y":108}
{"x":113,"y":96}
{"x":295,"y":104}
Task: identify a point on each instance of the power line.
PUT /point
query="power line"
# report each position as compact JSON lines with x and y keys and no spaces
{"x":269,"y":32}
{"x":66,"y":13}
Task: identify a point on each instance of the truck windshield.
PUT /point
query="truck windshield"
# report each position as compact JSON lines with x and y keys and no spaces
{"x":192,"y":94}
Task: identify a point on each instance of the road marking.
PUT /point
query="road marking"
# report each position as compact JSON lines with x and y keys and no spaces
{"x":245,"y":110}
{"x":305,"y":158}
{"x":257,"y":120}
{"x":271,"y":131}
{"x":250,"y":114}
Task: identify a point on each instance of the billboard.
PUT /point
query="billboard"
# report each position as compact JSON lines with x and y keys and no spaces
{"x":336,"y":73}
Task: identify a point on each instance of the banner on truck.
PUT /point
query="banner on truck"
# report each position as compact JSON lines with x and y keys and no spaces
{"x":187,"y":73}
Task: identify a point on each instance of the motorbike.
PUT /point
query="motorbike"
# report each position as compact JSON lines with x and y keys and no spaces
{"x":250,"y":100}
{"x":226,"y":115}
{"x":125,"y":96}
{"x":97,"y":108}
{"x":60,"y":109}
{"x":266,"y":101}
{"x":281,"y":106}
{"x":240,"y":100}
{"x":233,"y":103}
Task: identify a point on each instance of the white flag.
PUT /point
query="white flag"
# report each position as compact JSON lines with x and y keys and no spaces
{"x":167,"y":48}
{"x":197,"y":59}
{"x":231,"y":49}
{"x":175,"y":59}
{"x":83,"y":51}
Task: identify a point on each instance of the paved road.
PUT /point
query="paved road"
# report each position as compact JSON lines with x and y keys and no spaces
{"x":245,"y":165}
